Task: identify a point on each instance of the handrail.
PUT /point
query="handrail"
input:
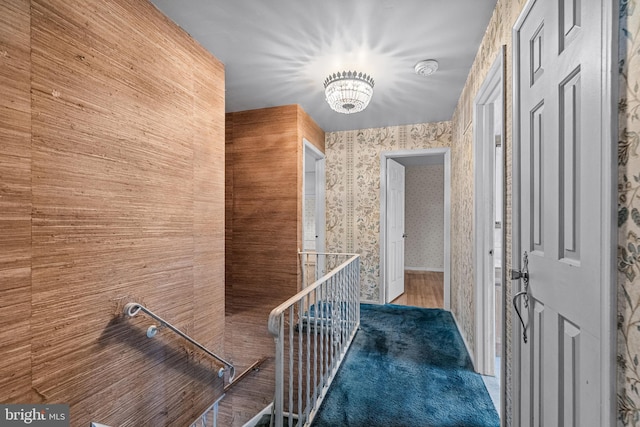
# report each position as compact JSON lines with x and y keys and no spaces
{"x":322,"y":253}
{"x":133,"y":308}
{"x":274,"y":325}
{"x":312,"y":332}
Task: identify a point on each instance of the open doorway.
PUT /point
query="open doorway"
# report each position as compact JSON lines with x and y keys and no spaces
{"x":489,"y":190}
{"x":390,"y":231}
{"x":313,"y":212}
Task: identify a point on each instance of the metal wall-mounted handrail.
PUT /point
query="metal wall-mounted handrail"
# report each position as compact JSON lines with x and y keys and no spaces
{"x":133,"y":308}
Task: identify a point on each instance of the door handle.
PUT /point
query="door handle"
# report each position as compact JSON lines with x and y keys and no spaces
{"x":524,"y":275}
{"x":404,"y":235}
{"x":526,"y":305}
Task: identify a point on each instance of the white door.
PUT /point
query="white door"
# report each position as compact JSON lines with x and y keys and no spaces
{"x":395,"y":212}
{"x":559,"y":115}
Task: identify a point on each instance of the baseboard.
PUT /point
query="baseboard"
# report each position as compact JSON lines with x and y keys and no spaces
{"x":434,"y":269}
{"x":466,"y":344}
{"x":364,"y":301}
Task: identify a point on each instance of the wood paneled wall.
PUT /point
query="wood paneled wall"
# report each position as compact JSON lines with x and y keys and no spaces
{"x":228,"y":210}
{"x":264,"y":232}
{"x":264,"y":198}
{"x":265,"y":171}
{"x":15,"y":202}
{"x":112,"y":189}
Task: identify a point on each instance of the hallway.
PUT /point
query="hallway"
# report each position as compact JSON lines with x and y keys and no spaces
{"x":425,"y":289}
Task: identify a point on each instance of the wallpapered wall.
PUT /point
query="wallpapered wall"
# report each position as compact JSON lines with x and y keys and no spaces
{"x":353,"y":189}
{"x":498,"y":34}
{"x":424,"y":217}
{"x":353,"y":194}
{"x":628,"y":215}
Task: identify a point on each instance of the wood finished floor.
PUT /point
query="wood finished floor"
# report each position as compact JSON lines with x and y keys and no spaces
{"x":422,"y":289}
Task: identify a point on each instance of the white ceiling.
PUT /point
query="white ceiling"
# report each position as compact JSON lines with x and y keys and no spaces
{"x":278,"y":52}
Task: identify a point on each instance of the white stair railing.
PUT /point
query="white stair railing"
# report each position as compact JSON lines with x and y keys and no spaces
{"x":313,"y":331}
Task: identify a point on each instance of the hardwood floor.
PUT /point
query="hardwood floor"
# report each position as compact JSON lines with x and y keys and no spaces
{"x":422,"y":289}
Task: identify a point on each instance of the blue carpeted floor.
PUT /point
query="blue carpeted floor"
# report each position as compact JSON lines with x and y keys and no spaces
{"x":407,"y":366}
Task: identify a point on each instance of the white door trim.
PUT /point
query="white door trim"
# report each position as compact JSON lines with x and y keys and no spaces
{"x":446,"y":153}
{"x":609,"y":16}
{"x":320,"y":183}
{"x":483,"y":225}
{"x":609,"y":213}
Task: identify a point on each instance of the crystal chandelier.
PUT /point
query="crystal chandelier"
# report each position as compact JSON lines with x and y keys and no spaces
{"x":348,"y":92}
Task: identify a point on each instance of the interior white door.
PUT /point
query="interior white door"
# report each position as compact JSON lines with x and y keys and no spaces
{"x":558,"y":76}
{"x":395,"y":221}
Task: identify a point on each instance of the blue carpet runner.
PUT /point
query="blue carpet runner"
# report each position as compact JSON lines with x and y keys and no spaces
{"x":407,"y":366}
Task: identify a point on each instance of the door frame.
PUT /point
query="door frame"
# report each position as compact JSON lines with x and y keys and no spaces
{"x":400,"y":154}
{"x":485,"y":314}
{"x":320,"y":191}
{"x":608,"y":210}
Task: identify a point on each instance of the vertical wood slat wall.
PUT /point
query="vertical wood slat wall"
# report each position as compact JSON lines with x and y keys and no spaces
{"x":15,"y":202}
{"x":111,"y":190}
{"x":264,"y":199}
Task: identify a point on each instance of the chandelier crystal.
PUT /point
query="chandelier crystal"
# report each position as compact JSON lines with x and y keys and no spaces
{"x":348,"y":92}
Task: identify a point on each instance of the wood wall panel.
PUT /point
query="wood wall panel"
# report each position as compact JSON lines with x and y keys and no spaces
{"x":264,"y":208}
{"x":264,"y":204}
{"x":15,"y":202}
{"x":209,"y":219}
{"x":125,"y":204}
{"x":307,"y":129}
{"x":228,"y":216}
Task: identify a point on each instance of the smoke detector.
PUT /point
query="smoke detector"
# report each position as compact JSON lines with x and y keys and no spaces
{"x":426,"y":68}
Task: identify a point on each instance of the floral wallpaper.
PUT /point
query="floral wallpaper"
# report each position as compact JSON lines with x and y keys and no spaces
{"x":424,"y":217}
{"x":353,"y":189}
{"x":628,"y":215}
{"x":497,"y":35}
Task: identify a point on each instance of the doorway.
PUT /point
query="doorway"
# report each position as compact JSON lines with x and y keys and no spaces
{"x":313,"y":212}
{"x":489,"y":190}
{"x":411,"y":158}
